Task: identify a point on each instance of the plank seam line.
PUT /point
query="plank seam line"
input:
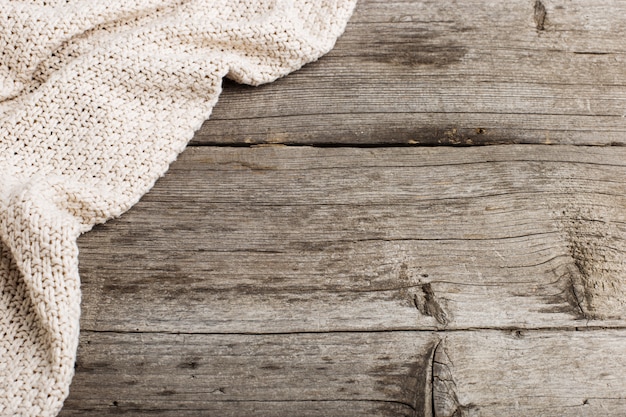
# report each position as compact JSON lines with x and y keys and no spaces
{"x":583,"y":328}
{"x":415,"y":112}
{"x":357,"y":145}
{"x":331,"y":400}
{"x":486,"y":161}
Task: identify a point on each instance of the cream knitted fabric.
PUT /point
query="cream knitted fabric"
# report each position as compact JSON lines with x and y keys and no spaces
{"x":96,"y":100}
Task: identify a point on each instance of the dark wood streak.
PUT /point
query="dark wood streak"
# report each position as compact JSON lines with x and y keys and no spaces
{"x":446,"y":73}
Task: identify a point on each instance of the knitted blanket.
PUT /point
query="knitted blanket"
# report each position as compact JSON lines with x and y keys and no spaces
{"x":97,"y":98}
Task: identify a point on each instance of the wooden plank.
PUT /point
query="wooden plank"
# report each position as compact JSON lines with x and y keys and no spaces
{"x":297,"y":239}
{"x":531,"y":373}
{"x":364,"y":374}
{"x":466,"y":373}
{"x":447,"y":72}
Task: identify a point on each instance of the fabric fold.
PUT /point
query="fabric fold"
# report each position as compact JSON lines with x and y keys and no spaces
{"x":40,"y":300}
{"x":43,"y":26}
{"x":96,"y":100}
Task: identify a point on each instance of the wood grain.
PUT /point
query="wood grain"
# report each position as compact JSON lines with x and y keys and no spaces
{"x":530,"y":373}
{"x":310,"y":239}
{"x":357,"y":278}
{"x":478,"y":373}
{"x":447,"y":72}
{"x":279,"y":281}
{"x":299,"y":374}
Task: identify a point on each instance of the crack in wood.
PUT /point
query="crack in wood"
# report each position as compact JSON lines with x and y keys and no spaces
{"x":445,"y":401}
{"x":580,"y":271}
{"x":432,"y":378}
{"x":421,"y":373}
{"x":577,"y":290}
{"x":540,"y":14}
{"x":428,"y":304}
{"x":592,"y":53}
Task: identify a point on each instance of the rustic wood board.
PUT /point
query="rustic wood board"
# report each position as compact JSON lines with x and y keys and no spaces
{"x":477,"y":373}
{"x":447,"y":72}
{"x":531,"y":374}
{"x":275,"y":375}
{"x":316,"y":239}
{"x":279,"y":281}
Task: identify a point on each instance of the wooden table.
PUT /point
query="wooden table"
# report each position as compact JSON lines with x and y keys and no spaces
{"x":332,"y":245}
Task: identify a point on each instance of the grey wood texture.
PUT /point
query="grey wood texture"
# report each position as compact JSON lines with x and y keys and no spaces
{"x":283,"y":281}
{"x":479,"y":373}
{"x":369,"y":276}
{"x":448,"y":72}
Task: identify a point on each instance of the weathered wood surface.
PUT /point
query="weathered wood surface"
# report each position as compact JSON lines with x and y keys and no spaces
{"x":317,"y":281}
{"x":289,"y":374}
{"x":480,"y":373}
{"x":448,"y":72}
{"x":384,"y":281}
{"x":317,"y":239}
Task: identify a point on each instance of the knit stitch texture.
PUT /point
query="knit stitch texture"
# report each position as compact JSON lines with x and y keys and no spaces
{"x":97,"y":98}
